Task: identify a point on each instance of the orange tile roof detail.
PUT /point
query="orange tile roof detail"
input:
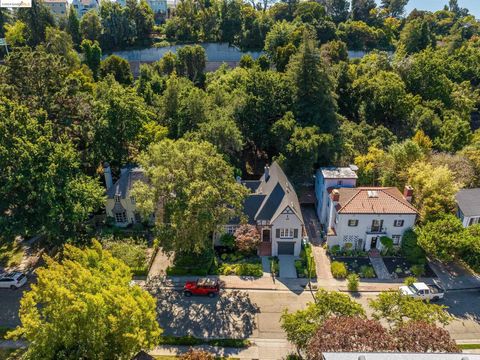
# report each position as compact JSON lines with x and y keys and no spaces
{"x":388,"y":200}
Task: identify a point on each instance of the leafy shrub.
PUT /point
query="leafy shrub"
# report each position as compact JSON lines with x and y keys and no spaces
{"x":418,"y":270}
{"x":192,"y":354}
{"x":274,"y":267}
{"x":131,"y":252}
{"x":335,"y":249}
{"x":410,"y":280}
{"x":227,"y":240}
{"x":410,"y":248}
{"x":301,"y":268}
{"x":250,"y":270}
{"x":339,"y":270}
{"x":348,"y":246}
{"x":387,"y":243}
{"x":352,"y":282}
{"x":367,"y":272}
{"x":247,"y":238}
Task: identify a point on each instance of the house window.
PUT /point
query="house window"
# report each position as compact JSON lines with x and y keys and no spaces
{"x":117,"y":198}
{"x":352,"y":222}
{"x":396,"y":239}
{"x":121,"y":217}
{"x":398,"y":223}
{"x":473,"y":221}
{"x":132,"y":199}
{"x":230,"y":229}
{"x":286,"y":233}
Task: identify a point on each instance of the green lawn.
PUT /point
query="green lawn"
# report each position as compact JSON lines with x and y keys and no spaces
{"x":469,"y":346}
{"x":11,"y":253}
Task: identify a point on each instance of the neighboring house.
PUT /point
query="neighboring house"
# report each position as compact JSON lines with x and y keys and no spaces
{"x":329,"y":178}
{"x":120,"y":203}
{"x":468,"y":206}
{"x":57,"y":7}
{"x":274,"y":208}
{"x":361,"y":216}
{"x":396,"y":356}
{"x":159,"y":8}
{"x":84,"y":6}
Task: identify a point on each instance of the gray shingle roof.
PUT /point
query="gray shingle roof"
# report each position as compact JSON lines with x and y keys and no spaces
{"x":124,"y":184}
{"x":339,"y":172}
{"x":468,"y":201}
{"x":271,"y":196}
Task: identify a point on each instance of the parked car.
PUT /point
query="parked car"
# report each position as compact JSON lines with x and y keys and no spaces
{"x":203,"y":286}
{"x":12,"y":280}
{"x":420,"y":290}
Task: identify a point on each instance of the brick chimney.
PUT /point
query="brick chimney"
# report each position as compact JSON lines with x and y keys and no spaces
{"x":335,"y":195}
{"x":107,"y":172}
{"x":408,"y":193}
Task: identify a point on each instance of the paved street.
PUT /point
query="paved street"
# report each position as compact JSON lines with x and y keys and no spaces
{"x":256,"y":314}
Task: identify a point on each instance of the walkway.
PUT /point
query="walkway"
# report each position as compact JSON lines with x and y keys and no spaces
{"x":380,"y":268}
{"x":160,"y":264}
{"x":266,"y":266}
{"x":287,"y":267}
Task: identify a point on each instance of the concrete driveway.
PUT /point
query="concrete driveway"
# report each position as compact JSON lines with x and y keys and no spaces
{"x":454,"y":276}
{"x":287,"y":267}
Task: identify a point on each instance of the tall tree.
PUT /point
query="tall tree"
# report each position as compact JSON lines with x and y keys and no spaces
{"x":118,"y":67}
{"x":395,"y":8}
{"x":90,"y":26}
{"x":417,"y":35}
{"x":73,"y":26}
{"x":119,"y":29}
{"x":85,"y":307}
{"x":195,"y":189}
{"x":37,"y":18}
{"x":423,"y":337}
{"x":191,"y":62}
{"x":314,"y":99}
{"x":5,"y":18}
{"x":92,"y":56}
{"x":142,"y":15}
{"x":42,"y":190}
{"x":338,"y":10}
{"x":361,"y":10}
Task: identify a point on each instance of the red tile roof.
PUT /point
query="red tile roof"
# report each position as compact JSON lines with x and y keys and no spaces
{"x":373,"y":200}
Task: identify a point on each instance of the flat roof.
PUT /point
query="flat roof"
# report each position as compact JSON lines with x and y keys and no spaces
{"x":339,"y":172}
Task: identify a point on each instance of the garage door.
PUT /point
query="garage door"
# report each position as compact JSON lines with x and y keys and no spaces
{"x":286,"y":248}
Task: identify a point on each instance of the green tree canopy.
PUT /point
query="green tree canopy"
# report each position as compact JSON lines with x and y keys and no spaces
{"x":192,"y":190}
{"x":84,"y":307}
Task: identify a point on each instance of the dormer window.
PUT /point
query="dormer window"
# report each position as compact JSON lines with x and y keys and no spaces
{"x":117,"y":198}
{"x":132,"y":199}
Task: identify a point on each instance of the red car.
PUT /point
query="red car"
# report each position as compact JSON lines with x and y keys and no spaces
{"x":203,"y":286}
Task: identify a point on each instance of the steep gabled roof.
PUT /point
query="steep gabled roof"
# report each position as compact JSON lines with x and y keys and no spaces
{"x":272,"y":195}
{"x":373,"y":200}
{"x":468,"y":200}
{"x":124,"y":184}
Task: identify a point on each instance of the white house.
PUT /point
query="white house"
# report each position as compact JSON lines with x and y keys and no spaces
{"x":361,"y":216}
{"x":274,"y":208}
{"x":84,"y":6}
{"x":329,"y":178}
{"x":468,"y":206}
{"x":120,"y":204}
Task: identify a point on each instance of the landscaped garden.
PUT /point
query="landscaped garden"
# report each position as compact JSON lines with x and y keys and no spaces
{"x":341,"y":266}
{"x":305,"y":266}
{"x":236,"y":255}
{"x":133,"y":252}
{"x":400,"y":267}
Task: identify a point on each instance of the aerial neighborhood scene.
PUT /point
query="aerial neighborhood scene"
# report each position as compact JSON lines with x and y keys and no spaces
{"x":240,"y":179}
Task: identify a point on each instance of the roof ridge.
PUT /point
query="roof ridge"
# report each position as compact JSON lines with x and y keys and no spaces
{"x":406,"y":203}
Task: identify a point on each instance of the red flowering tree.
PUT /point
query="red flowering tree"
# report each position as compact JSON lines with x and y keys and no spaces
{"x":420,"y":336}
{"x":247,"y":238}
{"x":349,"y":334}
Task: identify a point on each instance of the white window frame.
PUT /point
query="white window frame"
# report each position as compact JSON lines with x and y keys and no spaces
{"x":119,"y":216}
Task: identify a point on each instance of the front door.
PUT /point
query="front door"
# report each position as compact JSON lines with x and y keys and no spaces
{"x":373,"y":243}
{"x":266,"y":235}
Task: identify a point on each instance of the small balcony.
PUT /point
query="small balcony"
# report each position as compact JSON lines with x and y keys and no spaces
{"x":376,"y":230}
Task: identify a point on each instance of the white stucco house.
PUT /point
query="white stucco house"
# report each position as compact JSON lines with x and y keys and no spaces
{"x":329,"y":178}
{"x":120,"y":204}
{"x":361,"y":216}
{"x":468,"y":206}
{"x":273,"y":207}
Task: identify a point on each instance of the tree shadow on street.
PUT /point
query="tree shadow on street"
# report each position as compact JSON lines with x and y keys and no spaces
{"x":229,"y":315}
